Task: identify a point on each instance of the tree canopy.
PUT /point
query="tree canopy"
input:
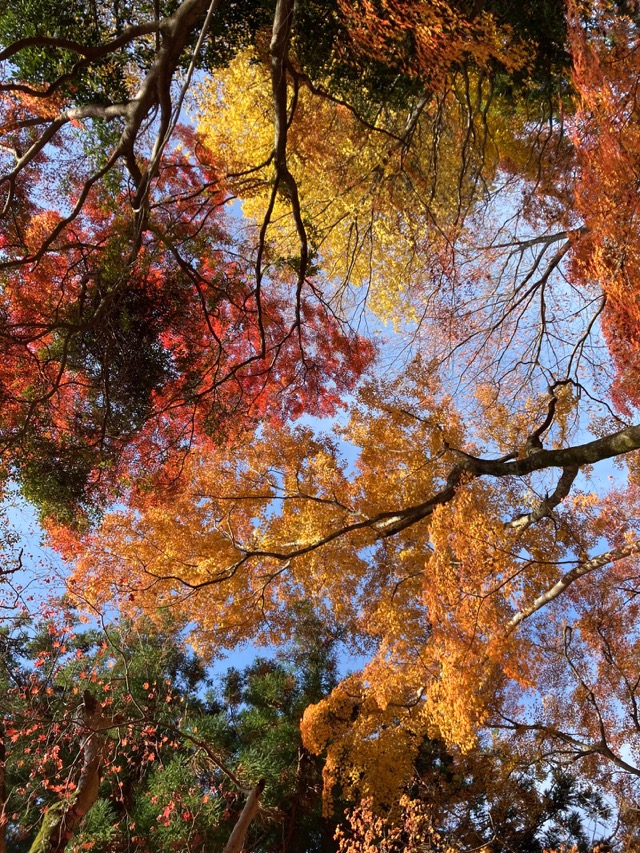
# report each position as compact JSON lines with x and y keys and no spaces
{"x":326,"y":314}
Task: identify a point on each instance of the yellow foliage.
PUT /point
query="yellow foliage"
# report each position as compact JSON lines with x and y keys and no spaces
{"x":282,"y":520}
{"x":382,"y":208}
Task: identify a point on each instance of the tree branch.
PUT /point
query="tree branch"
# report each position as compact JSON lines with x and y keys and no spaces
{"x":616,"y":444}
{"x":236,"y":839}
{"x":546,"y":506}
{"x":91,"y":53}
{"x":571,"y":577}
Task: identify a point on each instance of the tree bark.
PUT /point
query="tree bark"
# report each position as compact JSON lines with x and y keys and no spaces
{"x":236,"y":839}
{"x":3,"y":790}
{"x":63,"y":818}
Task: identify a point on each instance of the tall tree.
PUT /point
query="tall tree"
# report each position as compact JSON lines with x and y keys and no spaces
{"x":111,"y":357}
{"x":133,"y":323}
{"x":475,"y":594}
{"x":116,"y":740}
{"x":455,"y":806}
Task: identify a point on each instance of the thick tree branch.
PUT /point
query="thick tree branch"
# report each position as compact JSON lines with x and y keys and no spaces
{"x":88,"y":51}
{"x":235,"y":843}
{"x":389,"y":523}
{"x":154,"y":91}
{"x":534,"y":442}
{"x":62,"y":820}
{"x":280,"y":40}
{"x":568,"y":458}
{"x":546,"y":507}
{"x":571,"y":577}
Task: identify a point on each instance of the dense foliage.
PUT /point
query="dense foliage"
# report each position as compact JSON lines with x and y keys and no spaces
{"x":319,"y":322}
{"x":180,"y":747}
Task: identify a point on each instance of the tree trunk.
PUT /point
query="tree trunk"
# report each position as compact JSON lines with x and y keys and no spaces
{"x":236,"y":839}
{"x":63,"y":818}
{"x":3,"y":790}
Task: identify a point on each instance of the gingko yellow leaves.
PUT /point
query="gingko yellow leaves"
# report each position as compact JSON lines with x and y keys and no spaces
{"x":443,"y":649}
{"x":337,"y":164}
{"x":382,"y":202}
{"x":373,"y":724}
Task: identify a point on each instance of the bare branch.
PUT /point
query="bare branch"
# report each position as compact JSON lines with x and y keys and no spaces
{"x":571,"y":577}
{"x":545,"y":508}
{"x":89,"y":52}
{"x":580,"y":747}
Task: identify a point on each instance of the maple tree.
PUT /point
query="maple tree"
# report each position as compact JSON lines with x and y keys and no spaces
{"x":133,"y":322}
{"x":111,"y":357}
{"x":524,"y":816}
{"x":436,"y":578}
{"x":90,"y":102}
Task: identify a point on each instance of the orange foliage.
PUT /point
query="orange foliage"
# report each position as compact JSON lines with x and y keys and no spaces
{"x":427,"y":40}
{"x":369,"y":833}
{"x":246,"y":520}
{"x":280,"y":523}
{"x":606,"y":136}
